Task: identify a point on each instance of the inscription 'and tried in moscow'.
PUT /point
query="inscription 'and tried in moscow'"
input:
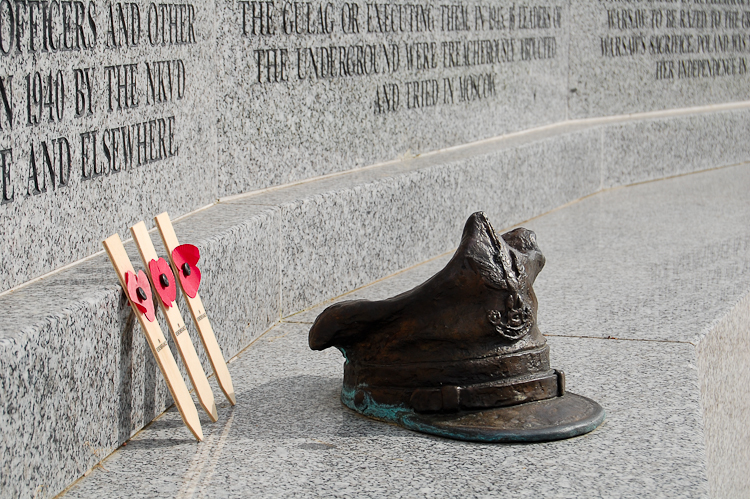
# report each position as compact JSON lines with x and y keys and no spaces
{"x":411,"y":56}
{"x":514,"y":34}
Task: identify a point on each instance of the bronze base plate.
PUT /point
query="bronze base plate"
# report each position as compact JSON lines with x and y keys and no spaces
{"x":551,"y":419}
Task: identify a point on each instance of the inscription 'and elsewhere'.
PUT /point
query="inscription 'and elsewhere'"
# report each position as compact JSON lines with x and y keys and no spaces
{"x":41,"y":99}
{"x":417,"y":55}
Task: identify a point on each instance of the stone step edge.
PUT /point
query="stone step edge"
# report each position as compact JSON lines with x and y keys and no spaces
{"x":484,"y":146}
{"x":250,"y":214}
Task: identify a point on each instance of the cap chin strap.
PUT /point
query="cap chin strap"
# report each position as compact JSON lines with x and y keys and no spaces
{"x":503,"y":393}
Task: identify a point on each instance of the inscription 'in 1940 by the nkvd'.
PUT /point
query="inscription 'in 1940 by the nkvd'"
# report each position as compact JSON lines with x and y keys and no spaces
{"x":507,"y":34}
{"x":43,"y":99}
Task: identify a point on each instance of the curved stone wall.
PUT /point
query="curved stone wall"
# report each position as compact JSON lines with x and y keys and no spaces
{"x":78,"y":379}
{"x":130,"y":109}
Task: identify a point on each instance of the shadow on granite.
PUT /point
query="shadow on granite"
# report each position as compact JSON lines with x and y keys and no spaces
{"x":77,"y":378}
{"x":290,"y":436}
{"x":662,"y":261}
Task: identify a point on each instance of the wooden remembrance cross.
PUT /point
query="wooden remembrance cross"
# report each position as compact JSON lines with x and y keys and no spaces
{"x":198,"y":312}
{"x":176,"y":325}
{"x":156,"y":341}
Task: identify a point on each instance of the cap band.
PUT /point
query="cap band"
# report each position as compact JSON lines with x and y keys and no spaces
{"x":485,"y":395}
{"x":456,"y":372}
{"x":453,"y":398}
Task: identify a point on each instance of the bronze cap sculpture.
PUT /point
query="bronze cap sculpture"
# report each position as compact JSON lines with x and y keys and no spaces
{"x":460,"y":355}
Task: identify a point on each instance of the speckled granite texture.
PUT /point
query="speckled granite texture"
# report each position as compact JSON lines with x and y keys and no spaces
{"x":117,"y":85}
{"x":402,"y":220}
{"x":262,"y":261}
{"x":655,"y":55}
{"x":76,"y":376}
{"x":262,"y":97}
{"x":326,"y":113}
{"x":76,"y":379}
{"x":289,"y":436}
{"x":644,"y":300}
{"x":651,"y":149}
{"x":724,"y":372}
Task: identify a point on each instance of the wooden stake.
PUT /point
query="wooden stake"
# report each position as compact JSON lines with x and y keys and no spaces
{"x":177,"y":326}
{"x":157,"y":342}
{"x":199,"y":314}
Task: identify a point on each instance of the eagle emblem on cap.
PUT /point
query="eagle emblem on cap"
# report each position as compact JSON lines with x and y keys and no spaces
{"x":515,"y":321}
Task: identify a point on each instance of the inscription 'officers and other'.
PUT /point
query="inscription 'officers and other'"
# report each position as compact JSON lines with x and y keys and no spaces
{"x":418,"y":55}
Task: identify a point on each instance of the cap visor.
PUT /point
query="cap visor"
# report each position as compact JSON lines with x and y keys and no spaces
{"x":551,"y":419}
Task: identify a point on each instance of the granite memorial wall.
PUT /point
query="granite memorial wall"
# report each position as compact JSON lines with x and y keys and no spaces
{"x":311,"y":88}
{"x":641,"y":56}
{"x":113,"y":111}
{"x":107,"y":116}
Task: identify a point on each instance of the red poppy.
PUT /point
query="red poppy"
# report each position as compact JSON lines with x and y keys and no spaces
{"x":139,"y":291}
{"x":164,"y":282}
{"x":185,"y":257}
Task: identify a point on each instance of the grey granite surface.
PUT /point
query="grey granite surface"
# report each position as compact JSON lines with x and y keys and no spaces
{"x":241,"y":124}
{"x":663,"y":374}
{"x":344,"y":239}
{"x":670,"y":253}
{"x":324,"y":113}
{"x":650,"y":149}
{"x":76,"y":376}
{"x":262,"y":259}
{"x":289,"y":436}
{"x":724,"y":372}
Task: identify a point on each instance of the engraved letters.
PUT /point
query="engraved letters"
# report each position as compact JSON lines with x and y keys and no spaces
{"x":62,"y":104}
{"x":685,"y":42}
{"x":92,"y":120}
{"x":373,"y":41}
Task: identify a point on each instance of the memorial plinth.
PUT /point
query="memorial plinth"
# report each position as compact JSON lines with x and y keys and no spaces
{"x":666,"y":377}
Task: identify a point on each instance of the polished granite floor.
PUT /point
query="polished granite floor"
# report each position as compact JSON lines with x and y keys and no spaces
{"x":634,"y":278}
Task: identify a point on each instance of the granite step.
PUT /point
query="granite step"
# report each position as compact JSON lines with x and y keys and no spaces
{"x":645,"y":301}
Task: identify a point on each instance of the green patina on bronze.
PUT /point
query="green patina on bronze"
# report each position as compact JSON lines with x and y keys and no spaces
{"x":459,"y":356}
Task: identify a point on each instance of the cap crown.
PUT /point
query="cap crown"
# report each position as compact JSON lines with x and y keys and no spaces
{"x":481,"y":304}
{"x":470,"y":329}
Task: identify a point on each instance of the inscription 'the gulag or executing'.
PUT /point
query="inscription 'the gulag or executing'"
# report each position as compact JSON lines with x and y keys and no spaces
{"x":691,"y":40}
{"x":505,"y":34}
{"x":41,"y":100}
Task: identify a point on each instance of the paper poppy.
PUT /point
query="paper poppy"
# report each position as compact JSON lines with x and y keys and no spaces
{"x":164,"y":282}
{"x":185,"y":258}
{"x":139,"y":291}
